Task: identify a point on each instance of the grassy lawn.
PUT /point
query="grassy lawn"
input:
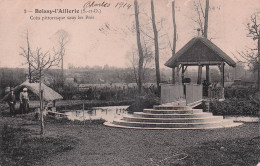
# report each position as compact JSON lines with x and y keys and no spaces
{"x":19,"y":147}
{"x":243,"y":151}
{"x":95,"y":144}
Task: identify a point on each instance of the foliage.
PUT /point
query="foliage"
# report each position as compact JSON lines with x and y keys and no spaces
{"x":93,"y":103}
{"x":235,"y":106}
{"x":238,"y":93}
{"x":146,"y":101}
{"x":10,"y":78}
{"x":78,"y":122}
{"x":18,"y":148}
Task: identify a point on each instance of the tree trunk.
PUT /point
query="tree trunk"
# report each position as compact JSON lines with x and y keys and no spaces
{"x":206,"y":19}
{"x":156,"y":45}
{"x":174,"y":39}
{"x":62,"y":72}
{"x":40,"y":95}
{"x":258,"y":64}
{"x":41,"y":110}
{"x":28,"y":58}
{"x":140,"y":51}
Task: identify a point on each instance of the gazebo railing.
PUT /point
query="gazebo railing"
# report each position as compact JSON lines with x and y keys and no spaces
{"x":193,"y":93}
{"x":171,"y":93}
{"x":175,"y":92}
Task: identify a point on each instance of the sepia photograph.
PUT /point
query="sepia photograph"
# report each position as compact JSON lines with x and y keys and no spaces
{"x":130,"y":82}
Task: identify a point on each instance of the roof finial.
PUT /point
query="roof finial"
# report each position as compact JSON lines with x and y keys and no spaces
{"x":198,"y":32}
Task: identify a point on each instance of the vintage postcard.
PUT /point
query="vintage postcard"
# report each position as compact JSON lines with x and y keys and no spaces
{"x":129,"y":82}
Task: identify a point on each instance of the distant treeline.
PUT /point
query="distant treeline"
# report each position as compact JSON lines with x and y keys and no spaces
{"x":11,"y":77}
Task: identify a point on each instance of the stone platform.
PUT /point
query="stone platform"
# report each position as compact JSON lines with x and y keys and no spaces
{"x":172,"y":117}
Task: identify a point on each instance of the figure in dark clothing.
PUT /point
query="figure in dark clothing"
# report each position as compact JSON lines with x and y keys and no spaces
{"x":11,"y":101}
{"x":24,"y":101}
{"x":89,"y":94}
{"x":205,"y":87}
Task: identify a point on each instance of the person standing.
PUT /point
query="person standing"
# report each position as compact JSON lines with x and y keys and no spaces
{"x":24,"y":101}
{"x":11,"y":101}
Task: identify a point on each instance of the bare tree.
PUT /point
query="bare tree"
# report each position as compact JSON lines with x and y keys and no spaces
{"x":206,"y":17}
{"x":63,"y":38}
{"x":202,"y":16}
{"x":41,"y":62}
{"x":202,"y":21}
{"x":252,"y":55}
{"x":26,"y":52}
{"x":140,"y":50}
{"x":133,"y":59}
{"x":156,"y":45}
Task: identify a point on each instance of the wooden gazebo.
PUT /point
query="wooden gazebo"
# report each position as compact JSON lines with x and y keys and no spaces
{"x":200,"y":52}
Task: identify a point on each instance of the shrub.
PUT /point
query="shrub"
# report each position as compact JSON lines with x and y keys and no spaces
{"x":235,"y":106}
{"x":147,"y":101}
{"x":239,"y":92}
{"x":67,"y":121}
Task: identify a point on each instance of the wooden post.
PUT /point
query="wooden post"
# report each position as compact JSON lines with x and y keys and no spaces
{"x":221,"y":68}
{"x":199,"y":74}
{"x":207,"y":73}
{"x":223,"y":74}
{"x":182,"y":73}
{"x":173,"y":75}
{"x":178,"y":75}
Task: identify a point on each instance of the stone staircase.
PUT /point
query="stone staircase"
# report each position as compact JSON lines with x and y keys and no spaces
{"x":172,"y":117}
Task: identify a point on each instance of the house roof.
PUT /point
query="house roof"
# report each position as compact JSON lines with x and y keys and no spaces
{"x":199,"y":50}
{"x":48,"y":93}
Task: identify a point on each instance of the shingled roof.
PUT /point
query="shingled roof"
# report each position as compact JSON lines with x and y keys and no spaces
{"x":199,"y":50}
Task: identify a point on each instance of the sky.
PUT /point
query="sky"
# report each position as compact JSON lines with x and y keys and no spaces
{"x":107,"y":36}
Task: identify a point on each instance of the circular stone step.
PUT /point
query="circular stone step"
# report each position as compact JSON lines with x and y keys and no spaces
{"x":172,"y":117}
{"x":212,"y":124}
{"x":173,"y":120}
{"x":167,"y":107}
{"x":195,"y":115}
{"x":187,"y":111}
{"x":161,"y":128}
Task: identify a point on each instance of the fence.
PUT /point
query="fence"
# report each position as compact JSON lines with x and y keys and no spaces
{"x":171,"y":93}
{"x":193,"y":93}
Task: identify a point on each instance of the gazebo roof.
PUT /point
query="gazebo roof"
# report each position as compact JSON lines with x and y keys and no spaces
{"x":199,"y":51}
{"x":48,"y":93}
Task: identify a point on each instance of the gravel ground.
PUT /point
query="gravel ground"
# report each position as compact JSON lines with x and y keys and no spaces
{"x":101,"y":145}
